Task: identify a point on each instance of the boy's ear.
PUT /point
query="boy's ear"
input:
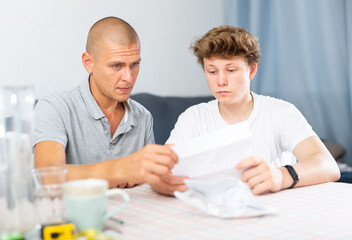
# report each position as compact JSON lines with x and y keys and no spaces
{"x":253,"y":70}
{"x":88,"y":62}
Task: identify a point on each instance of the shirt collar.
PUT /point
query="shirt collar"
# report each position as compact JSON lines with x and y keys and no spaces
{"x":129,"y":118}
{"x":92,"y":106}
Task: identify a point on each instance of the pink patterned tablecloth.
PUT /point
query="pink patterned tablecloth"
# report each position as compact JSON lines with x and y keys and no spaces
{"x":316,"y":212}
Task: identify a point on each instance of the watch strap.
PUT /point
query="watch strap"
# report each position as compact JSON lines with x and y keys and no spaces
{"x":293,"y":174}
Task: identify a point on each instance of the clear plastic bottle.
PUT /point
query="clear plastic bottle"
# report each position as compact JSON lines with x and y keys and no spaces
{"x":17,"y":217}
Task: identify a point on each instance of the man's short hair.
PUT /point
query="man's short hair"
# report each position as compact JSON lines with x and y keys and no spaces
{"x":110,"y":29}
{"x":227,"y":41}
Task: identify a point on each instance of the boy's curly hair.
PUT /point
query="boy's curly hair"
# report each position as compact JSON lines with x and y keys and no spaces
{"x":227,"y":41}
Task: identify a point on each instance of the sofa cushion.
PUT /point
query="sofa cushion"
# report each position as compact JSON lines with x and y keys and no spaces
{"x":165,"y":111}
{"x":336,"y":150}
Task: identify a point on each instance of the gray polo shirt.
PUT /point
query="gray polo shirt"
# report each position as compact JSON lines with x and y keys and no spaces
{"x":74,"y":119}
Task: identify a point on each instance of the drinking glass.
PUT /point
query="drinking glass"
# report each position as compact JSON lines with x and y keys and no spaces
{"x":49,"y":194}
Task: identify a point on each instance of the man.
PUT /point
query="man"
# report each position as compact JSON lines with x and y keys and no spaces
{"x":96,"y":129}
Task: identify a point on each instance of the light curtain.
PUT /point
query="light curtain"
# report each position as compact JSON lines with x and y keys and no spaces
{"x":306,"y":58}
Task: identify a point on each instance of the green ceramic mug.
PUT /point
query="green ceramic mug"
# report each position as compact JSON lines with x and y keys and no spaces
{"x":86,"y":203}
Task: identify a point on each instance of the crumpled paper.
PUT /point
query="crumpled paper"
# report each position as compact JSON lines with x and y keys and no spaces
{"x":223,"y":195}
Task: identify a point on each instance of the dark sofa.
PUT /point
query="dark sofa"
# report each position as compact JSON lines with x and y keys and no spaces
{"x":165,"y":111}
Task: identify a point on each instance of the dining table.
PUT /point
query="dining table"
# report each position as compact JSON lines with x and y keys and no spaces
{"x":322,"y":211}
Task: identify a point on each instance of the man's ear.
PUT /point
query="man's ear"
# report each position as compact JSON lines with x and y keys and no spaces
{"x":88,"y":62}
{"x":253,"y":70}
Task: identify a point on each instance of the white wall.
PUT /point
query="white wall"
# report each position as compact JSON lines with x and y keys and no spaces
{"x":41,"y":42}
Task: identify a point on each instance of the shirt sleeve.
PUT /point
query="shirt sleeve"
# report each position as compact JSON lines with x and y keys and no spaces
{"x":149,"y":137}
{"x":294,"y":128}
{"x":48,"y":124}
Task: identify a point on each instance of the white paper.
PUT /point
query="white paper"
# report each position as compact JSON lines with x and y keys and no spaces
{"x":213,"y":152}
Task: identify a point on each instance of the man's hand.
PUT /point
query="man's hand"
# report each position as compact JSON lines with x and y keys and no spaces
{"x":259,"y":176}
{"x":168,"y":184}
{"x":150,"y":163}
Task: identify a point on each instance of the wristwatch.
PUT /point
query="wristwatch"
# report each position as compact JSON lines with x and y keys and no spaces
{"x":293,"y":174}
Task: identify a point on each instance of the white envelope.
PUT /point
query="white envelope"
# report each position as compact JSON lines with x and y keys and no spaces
{"x":213,"y":152}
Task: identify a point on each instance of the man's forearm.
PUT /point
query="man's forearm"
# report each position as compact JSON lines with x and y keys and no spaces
{"x":114,"y":171}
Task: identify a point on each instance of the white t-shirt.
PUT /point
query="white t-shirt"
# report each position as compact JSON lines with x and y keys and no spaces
{"x":277,"y":127}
